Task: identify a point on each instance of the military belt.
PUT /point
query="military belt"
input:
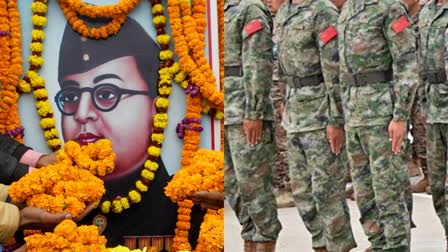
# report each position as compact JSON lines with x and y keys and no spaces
{"x":363,"y":79}
{"x":313,"y":80}
{"x":435,"y":77}
{"x":233,"y":71}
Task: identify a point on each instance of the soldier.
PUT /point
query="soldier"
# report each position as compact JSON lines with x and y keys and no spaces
{"x":278,"y":92}
{"x":378,"y":80}
{"x":433,"y":22}
{"x":249,"y":115}
{"x":418,"y":118}
{"x":308,"y":59}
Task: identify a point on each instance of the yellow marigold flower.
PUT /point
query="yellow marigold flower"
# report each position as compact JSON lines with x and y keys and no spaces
{"x":54,"y":142}
{"x":184,"y":84}
{"x":43,"y":108}
{"x":36,"y":80}
{"x":147,"y":174}
{"x":166,"y":55}
{"x":159,"y":20}
{"x":135,"y":196}
{"x":180,"y":77}
{"x":154,"y":151}
{"x":40,"y":93}
{"x":157,"y":137}
{"x":105,"y":207}
{"x":165,"y":90}
{"x":24,"y":86}
{"x":175,"y":68}
{"x":140,"y":186}
{"x":125,"y":203}
{"x":151,"y":165}
{"x":39,"y":7}
{"x":36,"y":47}
{"x":161,"y":117}
{"x":157,"y":8}
{"x":51,"y":133}
{"x":36,"y":60}
{"x":219,"y":115}
{"x":163,"y":39}
{"x":38,"y":35}
{"x":116,"y":206}
{"x":39,"y":20}
{"x":162,"y":102}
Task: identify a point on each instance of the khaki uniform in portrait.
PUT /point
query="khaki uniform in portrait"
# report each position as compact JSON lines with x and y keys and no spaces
{"x":248,"y":73}
{"x":433,"y":23}
{"x":378,"y":74}
{"x":308,"y":59}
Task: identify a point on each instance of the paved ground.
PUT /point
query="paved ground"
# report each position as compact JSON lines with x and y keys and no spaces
{"x":427,"y":237}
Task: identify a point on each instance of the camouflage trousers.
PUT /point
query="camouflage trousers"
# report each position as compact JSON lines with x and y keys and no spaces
{"x":418,"y":131}
{"x":437,"y":166}
{"x":281,"y":178}
{"x":380,"y":180}
{"x":318,"y":187}
{"x":248,"y":183}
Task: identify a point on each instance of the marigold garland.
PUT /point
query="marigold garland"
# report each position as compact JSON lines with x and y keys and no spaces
{"x":79,"y":26}
{"x":189,"y":66}
{"x":211,"y":234}
{"x":10,"y":69}
{"x":67,"y":185}
{"x":205,"y":173}
{"x":33,"y":81}
{"x":68,"y":237}
{"x":221,"y":59}
{"x":168,"y":69}
{"x":123,"y":7}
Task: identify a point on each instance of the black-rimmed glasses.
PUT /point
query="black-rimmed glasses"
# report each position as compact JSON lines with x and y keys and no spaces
{"x":105,"y":97}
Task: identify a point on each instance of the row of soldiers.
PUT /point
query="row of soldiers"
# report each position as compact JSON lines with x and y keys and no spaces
{"x":353,"y":77}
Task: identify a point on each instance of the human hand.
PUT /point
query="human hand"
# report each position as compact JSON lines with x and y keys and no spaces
{"x":396,"y":134}
{"x":86,"y":212}
{"x":335,"y":137}
{"x":21,"y":249}
{"x":209,"y":200}
{"x":37,"y":218}
{"x":253,"y":130}
{"x":46,"y":160}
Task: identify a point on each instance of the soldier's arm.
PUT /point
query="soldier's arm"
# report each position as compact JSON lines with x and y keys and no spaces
{"x":399,"y":35}
{"x":257,"y":60}
{"x":326,"y":36}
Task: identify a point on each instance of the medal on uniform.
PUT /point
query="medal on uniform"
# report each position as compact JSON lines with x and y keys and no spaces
{"x":101,"y":222}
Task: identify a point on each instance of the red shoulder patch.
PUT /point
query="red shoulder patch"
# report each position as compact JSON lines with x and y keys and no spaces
{"x":253,"y":27}
{"x":400,"y":24}
{"x":328,"y":34}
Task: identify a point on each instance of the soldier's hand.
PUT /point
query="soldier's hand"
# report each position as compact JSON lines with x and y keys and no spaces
{"x":335,"y":137}
{"x":253,"y":130}
{"x":396,"y":134}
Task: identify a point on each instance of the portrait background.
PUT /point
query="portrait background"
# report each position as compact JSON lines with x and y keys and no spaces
{"x":172,"y":146}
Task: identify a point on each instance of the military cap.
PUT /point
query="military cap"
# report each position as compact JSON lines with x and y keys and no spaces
{"x":79,"y":54}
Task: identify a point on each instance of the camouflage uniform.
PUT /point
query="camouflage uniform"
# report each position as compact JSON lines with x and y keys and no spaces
{"x":308,"y":61}
{"x":248,"y":70}
{"x":432,"y":58}
{"x":418,"y":120}
{"x":278,"y":92}
{"x":375,"y":39}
